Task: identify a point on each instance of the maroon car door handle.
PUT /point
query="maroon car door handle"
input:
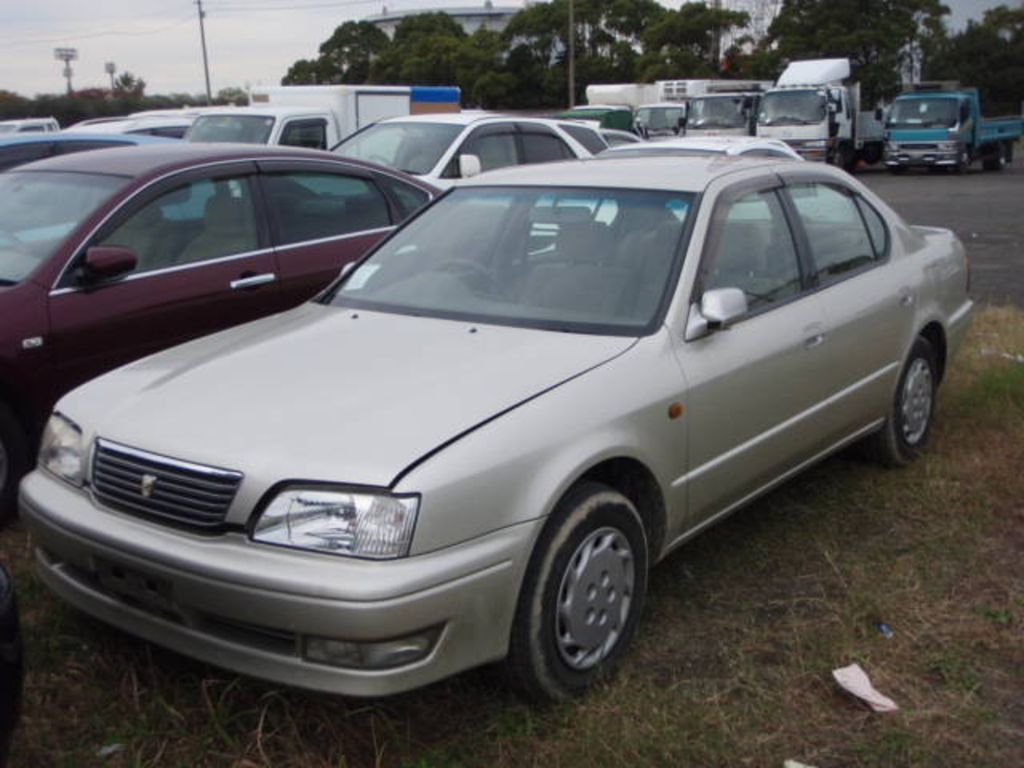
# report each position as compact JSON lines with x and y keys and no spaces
{"x":252,"y":281}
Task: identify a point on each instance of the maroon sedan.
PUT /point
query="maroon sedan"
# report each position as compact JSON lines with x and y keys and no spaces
{"x":109,"y":256}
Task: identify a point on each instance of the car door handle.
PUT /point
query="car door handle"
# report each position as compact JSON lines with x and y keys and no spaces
{"x":814,"y":341}
{"x":906,"y":297}
{"x":252,"y":281}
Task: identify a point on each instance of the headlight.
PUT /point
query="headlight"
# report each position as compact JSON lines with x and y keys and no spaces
{"x":377,"y":526}
{"x":61,"y":451}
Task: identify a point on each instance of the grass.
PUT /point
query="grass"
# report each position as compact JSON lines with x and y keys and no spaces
{"x":732,"y":663}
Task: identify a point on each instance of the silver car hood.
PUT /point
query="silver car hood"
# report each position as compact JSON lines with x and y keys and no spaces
{"x":322,"y":393}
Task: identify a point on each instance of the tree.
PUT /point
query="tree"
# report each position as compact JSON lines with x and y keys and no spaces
{"x":233,"y":95}
{"x":424,"y":52}
{"x":987,"y":54}
{"x":683,"y":43}
{"x":880,"y":37}
{"x":127,"y":84}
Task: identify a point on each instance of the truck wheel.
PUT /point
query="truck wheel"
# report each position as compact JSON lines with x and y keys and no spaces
{"x":13,"y":461}
{"x":995,"y":161}
{"x":581,"y":597}
{"x":846,"y":158}
{"x":908,"y":424}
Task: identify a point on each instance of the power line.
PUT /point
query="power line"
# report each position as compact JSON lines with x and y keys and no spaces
{"x":21,"y":41}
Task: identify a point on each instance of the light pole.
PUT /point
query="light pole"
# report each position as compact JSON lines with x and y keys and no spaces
{"x":110,"y":68}
{"x":67,"y":55}
{"x":572,"y":58}
{"x":202,"y":38}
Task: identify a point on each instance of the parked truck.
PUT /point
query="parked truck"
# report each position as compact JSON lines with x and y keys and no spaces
{"x":940,"y":126}
{"x":317,"y":116}
{"x":728,"y":108}
{"x":816,"y":108}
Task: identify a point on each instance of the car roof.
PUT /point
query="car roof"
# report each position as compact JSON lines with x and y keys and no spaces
{"x":677,"y":174}
{"x":171,"y":154}
{"x":262,"y":111}
{"x":60,"y":138}
{"x":721,"y":144}
{"x":471,"y":117}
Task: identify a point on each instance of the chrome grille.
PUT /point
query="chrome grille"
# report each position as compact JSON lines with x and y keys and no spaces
{"x":161,"y":487}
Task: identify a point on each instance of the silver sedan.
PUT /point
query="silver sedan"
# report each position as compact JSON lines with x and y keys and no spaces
{"x":474,"y":446}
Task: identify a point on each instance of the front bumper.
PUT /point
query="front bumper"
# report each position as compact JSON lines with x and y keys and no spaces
{"x":250,"y":608}
{"x":904,"y":157}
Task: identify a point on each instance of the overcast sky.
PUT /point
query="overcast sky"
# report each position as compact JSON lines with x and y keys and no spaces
{"x":249,"y":41}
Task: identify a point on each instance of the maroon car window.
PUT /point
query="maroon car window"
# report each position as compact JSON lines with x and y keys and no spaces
{"x":312,"y":206}
{"x":204,"y":220}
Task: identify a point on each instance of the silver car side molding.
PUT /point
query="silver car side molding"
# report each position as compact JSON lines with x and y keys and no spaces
{"x":709,"y":521}
{"x":783,"y":426}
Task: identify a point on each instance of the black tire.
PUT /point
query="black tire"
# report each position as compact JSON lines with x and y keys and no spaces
{"x":995,"y":161}
{"x":846,"y":158}
{"x":560,"y":646}
{"x":14,"y":461}
{"x":907,"y":426}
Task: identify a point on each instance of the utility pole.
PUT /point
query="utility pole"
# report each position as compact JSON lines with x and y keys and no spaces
{"x":572,"y":58}
{"x":202,"y":38}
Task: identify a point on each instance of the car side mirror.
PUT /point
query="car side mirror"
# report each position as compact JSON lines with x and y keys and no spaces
{"x":719,"y":308}
{"x":104,"y":262}
{"x":469,"y":166}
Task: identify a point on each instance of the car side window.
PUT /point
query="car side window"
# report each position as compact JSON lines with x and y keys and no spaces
{"x":495,"y":150}
{"x":876,"y":228}
{"x":313,"y":206}
{"x":311,"y":134}
{"x":589,"y":138}
{"x":196,"y":222}
{"x":16,"y":154}
{"x":70,"y":147}
{"x":408,"y":198}
{"x":753,"y":250}
{"x":544,"y":148}
{"x":835,"y":230}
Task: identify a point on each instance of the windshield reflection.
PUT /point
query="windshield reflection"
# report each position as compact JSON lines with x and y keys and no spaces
{"x":792,"y":108}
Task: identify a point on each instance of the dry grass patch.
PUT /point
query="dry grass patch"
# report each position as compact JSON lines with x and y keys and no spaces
{"x":732,"y":663}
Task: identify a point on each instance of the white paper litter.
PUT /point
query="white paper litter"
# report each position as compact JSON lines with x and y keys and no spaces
{"x":109,"y":749}
{"x":795,"y":764}
{"x":855,"y":680}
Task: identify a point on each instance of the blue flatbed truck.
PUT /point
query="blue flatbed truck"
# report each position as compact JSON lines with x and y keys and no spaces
{"x":943,"y":128}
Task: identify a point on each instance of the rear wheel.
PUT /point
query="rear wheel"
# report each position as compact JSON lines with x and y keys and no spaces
{"x":581,"y":597}
{"x":907,"y":426}
{"x":995,"y":161}
{"x":13,"y":461}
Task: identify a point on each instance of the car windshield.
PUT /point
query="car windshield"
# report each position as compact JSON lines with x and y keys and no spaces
{"x":39,"y":210}
{"x":792,"y":108}
{"x":577,"y":260}
{"x":243,"y":129}
{"x":721,"y":112}
{"x":659,"y":118}
{"x":923,"y":113}
{"x":411,"y":147}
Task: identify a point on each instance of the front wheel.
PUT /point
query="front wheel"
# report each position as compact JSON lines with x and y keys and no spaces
{"x":907,"y":426}
{"x":13,"y":461}
{"x":581,"y":597}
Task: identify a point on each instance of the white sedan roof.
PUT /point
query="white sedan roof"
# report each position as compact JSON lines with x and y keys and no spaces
{"x":684,"y":174}
{"x":726,"y":145}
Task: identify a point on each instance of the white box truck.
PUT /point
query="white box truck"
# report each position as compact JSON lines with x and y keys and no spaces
{"x":816,"y":109}
{"x":317,"y":116}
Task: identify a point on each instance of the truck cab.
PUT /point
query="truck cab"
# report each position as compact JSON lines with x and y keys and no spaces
{"x":816,"y":110}
{"x":288,"y":126}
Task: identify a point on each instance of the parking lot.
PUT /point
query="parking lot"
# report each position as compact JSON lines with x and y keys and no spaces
{"x":984,"y":209}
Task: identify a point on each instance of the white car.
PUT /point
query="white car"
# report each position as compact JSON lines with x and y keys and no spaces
{"x":30,"y":125}
{"x":168,"y":126}
{"x":475,"y":444}
{"x":442,"y":148}
{"x":738,"y":146}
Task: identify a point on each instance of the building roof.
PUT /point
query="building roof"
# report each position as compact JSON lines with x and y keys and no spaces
{"x":485,"y":9}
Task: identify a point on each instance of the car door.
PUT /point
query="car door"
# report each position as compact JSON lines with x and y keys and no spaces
{"x":322,"y":216}
{"x":204,"y":263}
{"x":868,"y":307}
{"x":496,"y":145}
{"x":755,"y":389}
